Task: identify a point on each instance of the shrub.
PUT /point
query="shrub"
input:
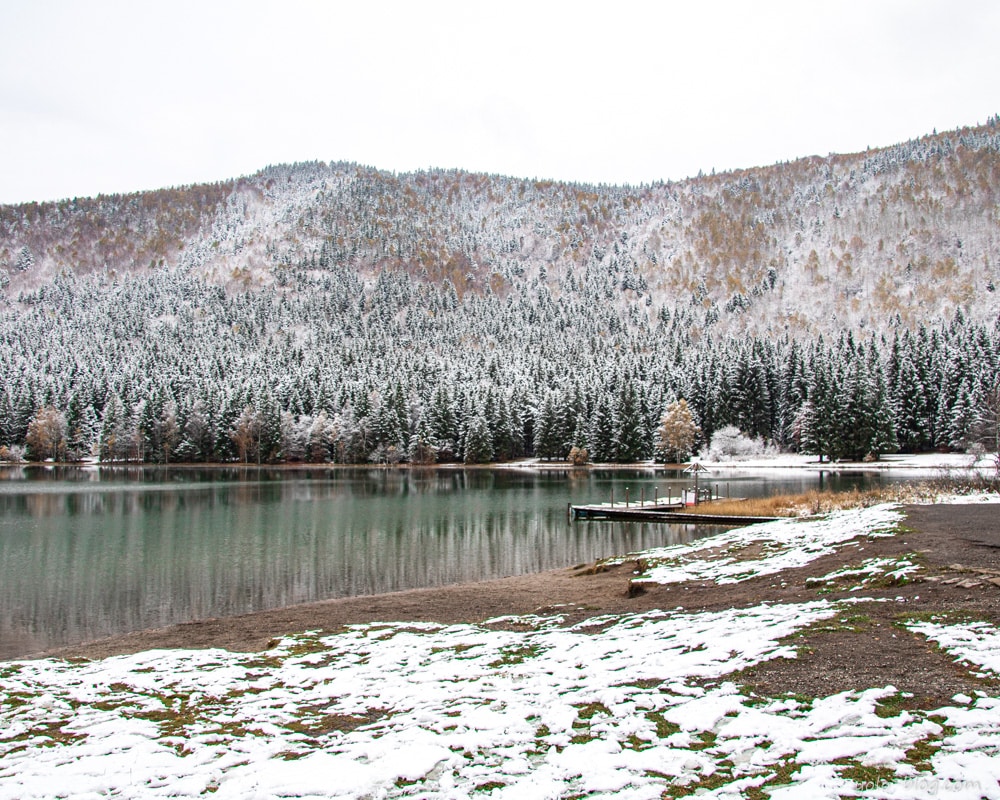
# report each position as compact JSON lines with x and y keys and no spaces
{"x":730,"y":444}
{"x":578,"y":456}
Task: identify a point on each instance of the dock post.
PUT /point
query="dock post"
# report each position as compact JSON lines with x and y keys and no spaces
{"x":642,"y":496}
{"x":612,"y":496}
{"x":626,"y":497}
{"x":656,"y":491}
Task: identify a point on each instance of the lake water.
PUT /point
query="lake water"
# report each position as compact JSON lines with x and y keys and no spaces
{"x":88,"y":552}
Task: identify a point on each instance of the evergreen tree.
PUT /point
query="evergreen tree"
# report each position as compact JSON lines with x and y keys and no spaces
{"x":600,"y":437}
{"x":548,"y":436}
{"x":883,"y":435}
{"x":816,"y":420}
{"x":478,"y":443}
{"x":6,"y":417}
{"x":79,"y":433}
{"x":629,"y":439}
{"x":420,"y":450}
{"x":912,"y":429}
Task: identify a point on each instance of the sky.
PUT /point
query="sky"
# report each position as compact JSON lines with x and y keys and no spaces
{"x":107,"y":96}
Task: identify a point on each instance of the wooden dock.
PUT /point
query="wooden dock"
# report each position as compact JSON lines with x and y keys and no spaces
{"x":652,"y":510}
{"x":659,"y":512}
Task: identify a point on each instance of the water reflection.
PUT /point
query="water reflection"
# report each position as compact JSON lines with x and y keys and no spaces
{"x":86,"y":553}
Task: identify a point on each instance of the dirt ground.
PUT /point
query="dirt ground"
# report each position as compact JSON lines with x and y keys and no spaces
{"x":958,"y":547}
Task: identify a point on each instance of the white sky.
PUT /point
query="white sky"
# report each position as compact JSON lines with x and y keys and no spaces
{"x":105,"y":96}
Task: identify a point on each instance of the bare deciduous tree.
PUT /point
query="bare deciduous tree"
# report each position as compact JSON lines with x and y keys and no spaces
{"x":677,"y":433}
{"x":47,"y":435}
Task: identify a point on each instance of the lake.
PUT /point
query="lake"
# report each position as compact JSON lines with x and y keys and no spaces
{"x":89,"y":552}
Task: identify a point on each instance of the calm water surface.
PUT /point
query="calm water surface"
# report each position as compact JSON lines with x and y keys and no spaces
{"x":87,"y":552}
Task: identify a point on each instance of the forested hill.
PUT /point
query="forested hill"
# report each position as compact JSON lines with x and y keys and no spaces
{"x":843,"y":304}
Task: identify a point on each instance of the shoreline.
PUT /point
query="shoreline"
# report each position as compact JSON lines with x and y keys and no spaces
{"x":943,"y":535}
{"x":919,"y":462}
{"x":814,"y":659}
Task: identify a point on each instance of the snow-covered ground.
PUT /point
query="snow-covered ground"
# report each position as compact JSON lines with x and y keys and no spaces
{"x":624,"y":707}
{"x":765,"y":549}
{"x":929,"y":462}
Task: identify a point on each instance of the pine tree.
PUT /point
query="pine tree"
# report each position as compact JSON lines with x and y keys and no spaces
{"x":119,"y":437}
{"x":816,"y":420}
{"x":547,"y":444}
{"x":911,"y":423}
{"x":629,"y":439}
{"x":77,"y":436}
{"x":600,"y":437}
{"x":6,"y":417}
{"x":959,"y":419}
{"x":883,"y":437}
{"x":420,"y":450}
{"x":478,"y":443}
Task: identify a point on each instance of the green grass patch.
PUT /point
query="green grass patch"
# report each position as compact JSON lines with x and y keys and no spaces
{"x":581,"y":724}
{"x":893,"y":705}
{"x":590,"y":709}
{"x":314,"y":721}
{"x":946,"y":729}
{"x":305,"y":647}
{"x":514,"y":655}
{"x":664,"y":727}
{"x":290,"y":755}
{"x":16,"y":699}
{"x":706,"y":739}
{"x":784,"y":773}
{"x":261,"y":662}
{"x":640,"y":683}
{"x":865,"y":777}
{"x":922,"y":751}
{"x":457,"y":649}
{"x":635,"y":743}
{"x":172,"y":721}
{"x":706,"y":783}
{"x":51,"y":732}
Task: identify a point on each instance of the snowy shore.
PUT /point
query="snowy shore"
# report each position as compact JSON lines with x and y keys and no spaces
{"x":624,"y":706}
{"x":925,"y":464}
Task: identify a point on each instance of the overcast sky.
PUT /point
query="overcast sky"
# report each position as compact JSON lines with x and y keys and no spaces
{"x":109,"y":96}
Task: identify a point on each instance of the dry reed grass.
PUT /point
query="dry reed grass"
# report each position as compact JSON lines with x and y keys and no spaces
{"x":821,"y":502}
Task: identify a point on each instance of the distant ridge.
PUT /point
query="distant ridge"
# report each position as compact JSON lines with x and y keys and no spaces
{"x":891,"y":236}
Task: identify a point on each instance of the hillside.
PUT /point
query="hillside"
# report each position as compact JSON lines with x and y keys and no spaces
{"x":334,"y":311}
{"x":842,"y":241}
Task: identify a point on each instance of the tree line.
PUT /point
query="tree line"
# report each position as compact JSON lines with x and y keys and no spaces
{"x":166,"y":368}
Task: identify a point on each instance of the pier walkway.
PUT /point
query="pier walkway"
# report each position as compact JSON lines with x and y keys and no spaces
{"x":658,"y":512}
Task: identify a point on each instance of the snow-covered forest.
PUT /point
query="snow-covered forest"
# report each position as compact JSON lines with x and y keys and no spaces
{"x":843,"y":306}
